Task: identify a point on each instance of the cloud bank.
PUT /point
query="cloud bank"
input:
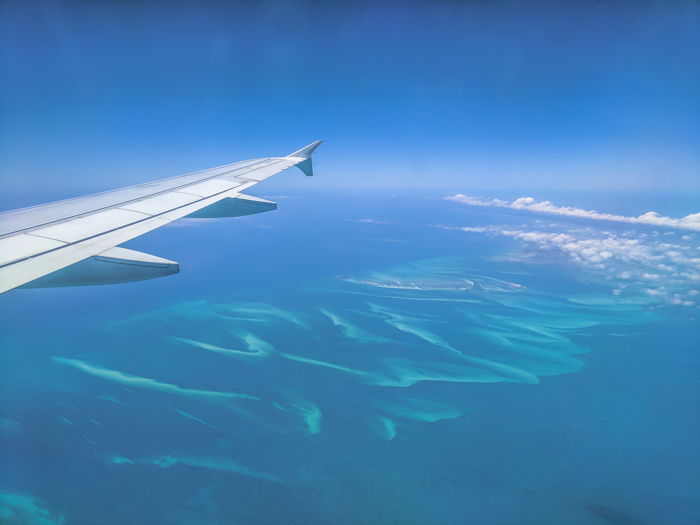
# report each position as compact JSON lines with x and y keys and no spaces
{"x":667,"y":272}
{"x":690,"y":222}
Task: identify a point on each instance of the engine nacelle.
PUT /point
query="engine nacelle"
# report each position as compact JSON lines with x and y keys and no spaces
{"x":114,"y":266}
{"x":237,"y":206}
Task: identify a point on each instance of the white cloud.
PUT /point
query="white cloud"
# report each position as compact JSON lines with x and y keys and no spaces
{"x":637,"y":260}
{"x":678,"y":299}
{"x":690,"y":222}
{"x":655,"y":292}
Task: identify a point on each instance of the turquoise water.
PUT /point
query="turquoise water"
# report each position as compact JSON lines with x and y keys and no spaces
{"x":364,"y":359}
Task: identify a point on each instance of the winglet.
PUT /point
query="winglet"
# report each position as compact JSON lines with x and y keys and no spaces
{"x":305,"y":153}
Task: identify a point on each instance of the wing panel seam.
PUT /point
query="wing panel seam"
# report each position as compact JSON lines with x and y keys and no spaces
{"x":68,"y":244}
{"x":172,"y":190}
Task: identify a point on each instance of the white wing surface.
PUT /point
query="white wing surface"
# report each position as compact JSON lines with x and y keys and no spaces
{"x":74,"y":242}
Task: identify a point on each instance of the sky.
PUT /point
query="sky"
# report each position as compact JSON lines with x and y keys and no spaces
{"x":467,"y":96}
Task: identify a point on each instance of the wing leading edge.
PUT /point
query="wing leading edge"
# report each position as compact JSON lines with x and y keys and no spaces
{"x":74,"y":242}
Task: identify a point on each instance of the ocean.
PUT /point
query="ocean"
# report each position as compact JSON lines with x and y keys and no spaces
{"x":367,"y":358}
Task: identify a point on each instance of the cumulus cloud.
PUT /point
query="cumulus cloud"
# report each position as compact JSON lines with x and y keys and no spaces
{"x":690,"y":222}
{"x":592,"y":250}
{"x":645,"y":262}
{"x":656,"y":292}
{"x":678,"y":299}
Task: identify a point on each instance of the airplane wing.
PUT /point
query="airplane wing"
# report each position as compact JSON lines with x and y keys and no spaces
{"x":75,"y":242}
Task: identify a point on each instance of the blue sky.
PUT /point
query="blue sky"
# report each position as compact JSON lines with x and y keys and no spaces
{"x":472,"y":96}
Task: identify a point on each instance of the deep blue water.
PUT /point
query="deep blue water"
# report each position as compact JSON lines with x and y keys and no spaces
{"x":353,"y":359}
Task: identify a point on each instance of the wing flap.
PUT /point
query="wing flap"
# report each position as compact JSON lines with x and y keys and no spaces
{"x":161,"y":204}
{"x":23,"y":246}
{"x":27,"y":270}
{"x":22,"y":220}
{"x":209,"y":188}
{"x":264,"y":172}
{"x":30,"y":269}
{"x":96,"y":224}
